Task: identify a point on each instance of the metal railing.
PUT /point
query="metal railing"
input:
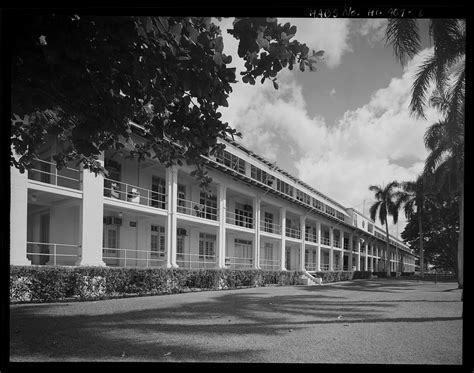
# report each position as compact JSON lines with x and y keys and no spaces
{"x":310,"y":266}
{"x":270,"y":264}
{"x":135,"y":194}
{"x":293,"y":232}
{"x":311,"y":237}
{"x":325,"y":241}
{"x":324,"y":267}
{"x":239,"y":220}
{"x":41,"y":253}
{"x":235,"y":262}
{"x":116,"y":257}
{"x":270,"y":227}
{"x":47,"y":172}
{"x":196,"y":261}
{"x":336,"y":243}
{"x":196,"y":209}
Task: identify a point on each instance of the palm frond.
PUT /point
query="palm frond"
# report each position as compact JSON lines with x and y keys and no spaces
{"x":434,"y":135}
{"x":373,"y":210}
{"x":425,"y":74}
{"x":404,"y":37}
{"x":378,"y":191}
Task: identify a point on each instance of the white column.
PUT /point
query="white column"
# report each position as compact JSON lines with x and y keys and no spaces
{"x":171,"y":221}
{"x":283,"y":239}
{"x":92,"y":217}
{"x":221,"y":233}
{"x":376,"y":258}
{"x":318,"y":250}
{"x":366,"y":246}
{"x":350,"y":252}
{"x":331,"y":250}
{"x":358,"y":253}
{"x":372,"y":256}
{"x":18,"y":217}
{"x":342,"y":250}
{"x":302,"y":245}
{"x":256,"y":209}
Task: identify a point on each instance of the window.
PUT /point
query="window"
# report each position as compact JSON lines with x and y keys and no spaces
{"x":340,"y":215}
{"x":243,"y":215}
{"x":268,"y":222}
{"x":260,"y":175}
{"x":158,"y":239}
{"x":231,"y":161}
{"x":318,"y":204}
{"x":180,"y":247}
{"x":158,"y":192}
{"x":355,"y":220}
{"x":242,"y":248}
{"x":284,"y":187}
{"x":210,"y":205}
{"x":330,"y":210}
{"x":207,"y":244}
{"x":370,"y":227}
{"x":181,"y":198}
{"x":268,"y":251}
{"x":303,"y":197}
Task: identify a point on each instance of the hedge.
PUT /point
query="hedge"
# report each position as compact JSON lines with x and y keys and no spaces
{"x":46,"y":284}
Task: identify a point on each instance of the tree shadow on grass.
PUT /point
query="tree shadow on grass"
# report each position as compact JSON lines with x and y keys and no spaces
{"x":206,"y":330}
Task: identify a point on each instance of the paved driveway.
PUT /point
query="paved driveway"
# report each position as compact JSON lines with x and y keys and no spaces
{"x":363,"y":321}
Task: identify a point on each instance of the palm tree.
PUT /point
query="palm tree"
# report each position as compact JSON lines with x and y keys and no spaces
{"x":445,"y":141}
{"x":413,"y":197}
{"x":445,"y":67}
{"x":387,"y":204}
{"x":449,"y":40}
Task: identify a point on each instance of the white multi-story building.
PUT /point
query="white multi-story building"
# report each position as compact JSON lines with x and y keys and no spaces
{"x":146,"y":215}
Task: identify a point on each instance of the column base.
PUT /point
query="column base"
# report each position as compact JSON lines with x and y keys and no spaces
{"x":92,"y":264}
{"x":20,"y":262}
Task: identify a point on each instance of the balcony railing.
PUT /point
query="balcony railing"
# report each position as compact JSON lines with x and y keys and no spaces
{"x":311,"y":237}
{"x":197,"y":209}
{"x":325,"y":267}
{"x":325,"y":241}
{"x":240,"y":220}
{"x":270,"y":264}
{"x":293,"y":232}
{"x":47,"y":172}
{"x":196,"y":261}
{"x":134,"y":194}
{"x":336,"y":243}
{"x":238,"y":262}
{"x":310,"y":266}
{"x":52,"y":253}
{"x":346,"y":245}
{"x":270,"y":227}
{"x":116,"y":257}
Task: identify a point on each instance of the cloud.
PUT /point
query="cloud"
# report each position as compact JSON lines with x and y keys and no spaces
{"x":372,"y":29}
{"x":371,"y":145}
{"x":333,"y":92}
{"x":330,"y":35}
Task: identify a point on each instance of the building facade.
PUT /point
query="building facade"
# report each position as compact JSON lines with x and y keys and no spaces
{"x":145,"y":215}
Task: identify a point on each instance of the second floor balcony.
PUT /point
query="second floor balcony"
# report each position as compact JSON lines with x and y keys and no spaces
{"x":240,"y":220}
{"x":46,"y":172}
{"x":293,"y":232}
{"x":134,"y":194}
{"x":269,"y":227}
{"x":196,"y":209}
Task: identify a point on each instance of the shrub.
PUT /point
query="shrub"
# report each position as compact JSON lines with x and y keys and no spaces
{"x":42,"y":284}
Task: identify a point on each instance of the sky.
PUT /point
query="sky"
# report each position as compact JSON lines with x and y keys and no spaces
{"x":343,"y":127}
